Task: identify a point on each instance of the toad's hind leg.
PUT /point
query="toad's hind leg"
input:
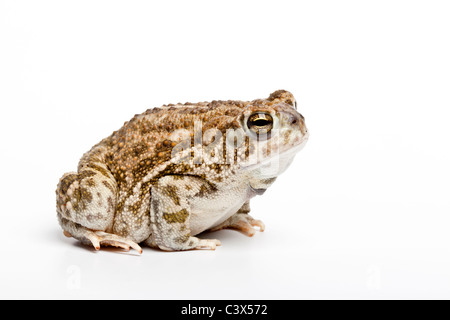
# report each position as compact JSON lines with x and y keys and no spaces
{"x":86,"y":204}
{"x":96,"y":238}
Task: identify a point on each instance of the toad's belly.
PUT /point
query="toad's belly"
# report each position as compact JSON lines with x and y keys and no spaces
{"x":209,"y":212}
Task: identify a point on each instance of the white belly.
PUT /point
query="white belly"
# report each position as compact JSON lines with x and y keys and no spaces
{"x":208,"y":212}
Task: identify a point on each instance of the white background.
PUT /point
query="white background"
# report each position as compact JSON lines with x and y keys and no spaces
{"x":363,"y":212}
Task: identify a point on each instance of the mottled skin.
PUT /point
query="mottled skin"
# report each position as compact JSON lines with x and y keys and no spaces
{"x":173,"y":172}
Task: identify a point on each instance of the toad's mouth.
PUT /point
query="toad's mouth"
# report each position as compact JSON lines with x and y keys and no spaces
{"x":257,"y":191}
{"x":283,"y":156}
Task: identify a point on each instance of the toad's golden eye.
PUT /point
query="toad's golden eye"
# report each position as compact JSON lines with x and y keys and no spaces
{"x":260,"y":123}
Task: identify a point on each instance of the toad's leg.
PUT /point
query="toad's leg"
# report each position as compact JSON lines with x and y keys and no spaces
{"x":170,"y":214}
{"x":86,"y":203}
{"x":242,"y":221}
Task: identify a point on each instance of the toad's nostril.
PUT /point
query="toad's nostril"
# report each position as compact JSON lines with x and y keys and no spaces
{"x":293,"y":120}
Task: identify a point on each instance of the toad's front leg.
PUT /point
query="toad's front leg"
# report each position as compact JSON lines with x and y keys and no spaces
{"x":170,"y":216}
{"x":242,"y":221}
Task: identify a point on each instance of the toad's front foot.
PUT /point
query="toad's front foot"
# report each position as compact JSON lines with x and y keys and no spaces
{"x":242,"y":222}
{"x":193,"y":243}
{"x":208,"y":244}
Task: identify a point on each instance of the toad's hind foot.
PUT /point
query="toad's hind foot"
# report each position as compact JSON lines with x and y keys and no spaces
{"x":96,"y":237}
{"x":99,"y":238}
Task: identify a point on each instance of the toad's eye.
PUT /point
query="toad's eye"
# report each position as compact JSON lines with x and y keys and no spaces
{"x":260,"y":123}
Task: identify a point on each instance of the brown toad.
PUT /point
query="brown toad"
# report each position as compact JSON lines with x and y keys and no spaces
{"x":173,"y":172}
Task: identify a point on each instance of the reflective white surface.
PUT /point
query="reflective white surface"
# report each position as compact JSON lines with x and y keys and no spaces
{"x":363,"y":211}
